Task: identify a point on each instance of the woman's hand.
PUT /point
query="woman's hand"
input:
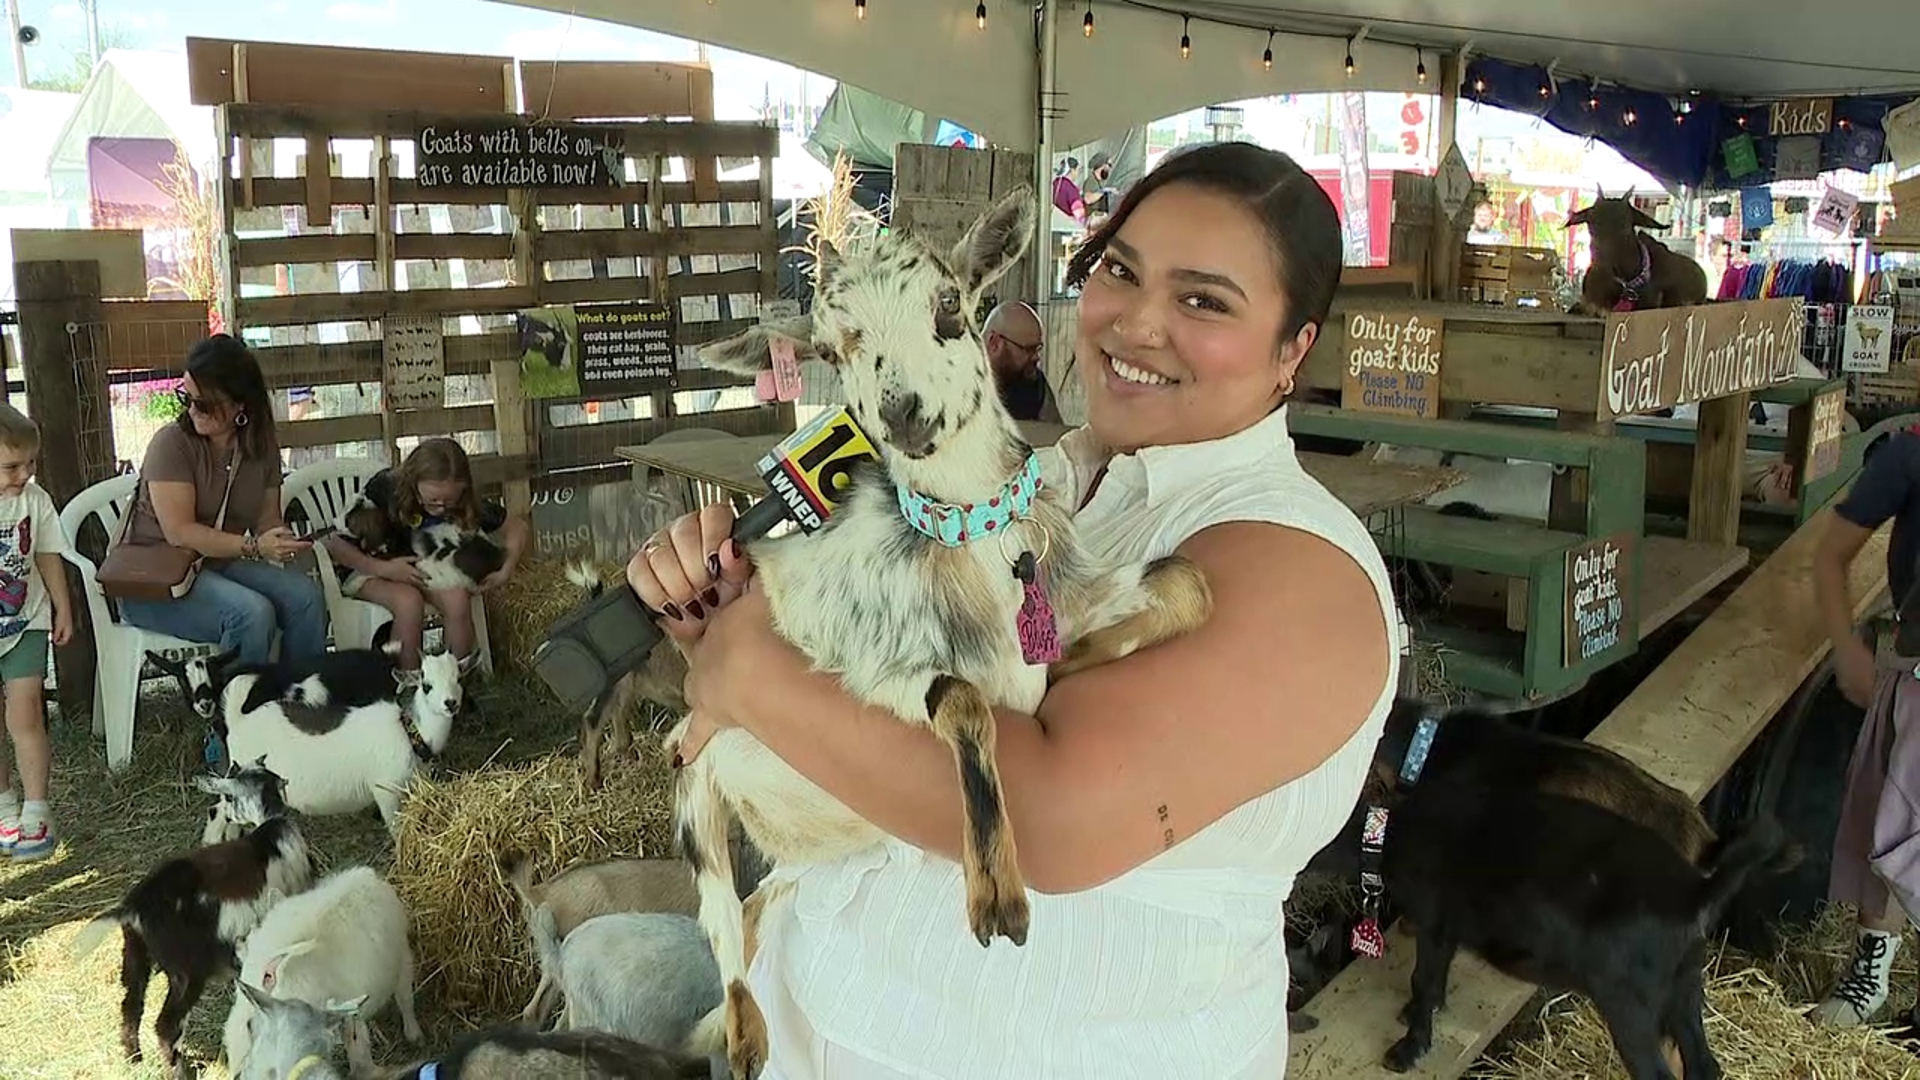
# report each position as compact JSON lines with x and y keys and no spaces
{"x":401,"y":570}
{"x":738,"y":651}
{"x":496,"y":579}
{"x":1853,"y":669}
{"x":689,"y":570}
{"x":62,"y":626}
{"x":279,"y":544}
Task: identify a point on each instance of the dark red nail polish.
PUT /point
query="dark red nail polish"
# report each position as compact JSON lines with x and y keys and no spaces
{"x":712,"y":597}
{"x":672,"y":610}
{"x":677,"y":763}
{"x":713,"y":565}
{"x":694,"y":609}
{"x":733,"y":549}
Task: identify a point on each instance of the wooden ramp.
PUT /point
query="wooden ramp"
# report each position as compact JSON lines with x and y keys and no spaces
{"x":1687,"y":724}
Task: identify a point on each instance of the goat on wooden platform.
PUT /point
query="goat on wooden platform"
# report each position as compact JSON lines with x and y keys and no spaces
{"x":920,"y":621}
{"x":1630,"y":270}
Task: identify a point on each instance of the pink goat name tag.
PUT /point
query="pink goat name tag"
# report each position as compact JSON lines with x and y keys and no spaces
{"x":782,"y":383}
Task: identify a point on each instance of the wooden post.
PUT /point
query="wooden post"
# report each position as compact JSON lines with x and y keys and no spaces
{"x":1719,"y":470}
{"x":64,"y":386}
{"x":1443,"y":252}
{"x":1567,"y":504}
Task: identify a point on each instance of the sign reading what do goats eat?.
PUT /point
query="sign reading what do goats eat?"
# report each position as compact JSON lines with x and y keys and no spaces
{"x":1599,"y":585}
{"x":1392,"y":363}
{"x":1657,"y":359}
{"x":516,"y":153}
{"x":626,"y":350}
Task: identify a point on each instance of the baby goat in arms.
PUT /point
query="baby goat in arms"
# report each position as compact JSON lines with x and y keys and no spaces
{"x":944,"y":584}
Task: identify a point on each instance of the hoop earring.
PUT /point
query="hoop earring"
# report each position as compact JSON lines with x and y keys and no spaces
{"x":240,"y":420}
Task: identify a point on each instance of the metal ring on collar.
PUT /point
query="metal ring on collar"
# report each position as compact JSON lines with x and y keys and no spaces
{"x":1046,"y":541}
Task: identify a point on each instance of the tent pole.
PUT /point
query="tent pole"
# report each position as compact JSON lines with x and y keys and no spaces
{"x":1045,"y":31}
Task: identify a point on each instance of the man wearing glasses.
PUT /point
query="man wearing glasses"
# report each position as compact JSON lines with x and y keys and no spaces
{"x":1015,"y":339}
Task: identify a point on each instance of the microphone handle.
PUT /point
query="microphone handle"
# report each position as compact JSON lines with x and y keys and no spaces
{"x":759,"y":519}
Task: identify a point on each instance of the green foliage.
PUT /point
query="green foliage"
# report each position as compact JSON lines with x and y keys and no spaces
{"x":162,"y":405}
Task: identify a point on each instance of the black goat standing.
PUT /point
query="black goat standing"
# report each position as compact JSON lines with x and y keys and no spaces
{"x":1557,"y":890}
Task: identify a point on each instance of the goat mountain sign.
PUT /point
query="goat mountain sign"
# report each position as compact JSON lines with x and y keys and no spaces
{"x":1659,"y":358}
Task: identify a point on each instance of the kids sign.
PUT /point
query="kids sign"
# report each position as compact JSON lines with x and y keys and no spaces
{"x":1392,"y":363}
{"x":1599,"y":584}
{"x":1657,"y":359}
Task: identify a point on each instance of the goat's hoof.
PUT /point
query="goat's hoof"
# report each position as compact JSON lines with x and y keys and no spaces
{"x":1404,"y":1055}
{"x":746,"y":1034}
{"x":1298,"y":1022}
{"x":999,"y":912}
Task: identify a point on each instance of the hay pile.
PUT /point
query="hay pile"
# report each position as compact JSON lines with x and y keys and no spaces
{"x":470,"y":947}
{"x":1756,"y":1022}
{"x":520,"y":612}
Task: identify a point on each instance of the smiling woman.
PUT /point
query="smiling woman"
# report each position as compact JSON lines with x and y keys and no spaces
{"x":1161,"y":804}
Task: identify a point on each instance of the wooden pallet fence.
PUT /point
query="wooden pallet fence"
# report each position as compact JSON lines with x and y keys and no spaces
{"x":362,"y":240}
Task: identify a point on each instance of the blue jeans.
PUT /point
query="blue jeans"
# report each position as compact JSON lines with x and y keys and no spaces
{"x":237,"y":605}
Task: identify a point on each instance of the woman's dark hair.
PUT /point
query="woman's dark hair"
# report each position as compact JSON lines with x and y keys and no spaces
{"x":223,"y":365}
{"x":1302,"y":226}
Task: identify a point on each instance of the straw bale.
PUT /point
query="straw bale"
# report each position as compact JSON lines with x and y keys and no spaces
{"x":521,"y":611}
{"x":1753,"y":1025}
{"x":469,"y":938}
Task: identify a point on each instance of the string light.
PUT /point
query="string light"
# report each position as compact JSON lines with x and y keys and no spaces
{"x":1545,"y":90}
{"x":1420,"y":68}
{"x":1479,"y":85}
{"x":1349,"y":58}
{"x":1086,"y":24}
{"x":859,"y":9}
{"x":1186,"y":43}
{"x":980,"y":14}
{"x":1593,"y":100}
{"x":1266,"y":58}
{"x":1630,"y":116}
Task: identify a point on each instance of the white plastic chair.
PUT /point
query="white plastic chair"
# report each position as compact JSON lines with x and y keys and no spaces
{"x":120,"y":649}
{"x":324,"y":491}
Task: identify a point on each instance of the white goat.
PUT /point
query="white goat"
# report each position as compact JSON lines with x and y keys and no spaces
{"x":645,"y":976}
{"x":292,"y":1039}
{"x":915,"y":596}
{"x":343,"y":938}
{"x":337,"y":760}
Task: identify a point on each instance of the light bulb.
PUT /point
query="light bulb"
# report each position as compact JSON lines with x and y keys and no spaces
{"x":1420,"y":72}
{"x":1349,"y":65}
{"x":980,"y":14}
{"x":1545,"y":90}
{"x":1479,"y":86}
{"x":1631,"y":116}
{"x":1086,"y":24}
{"x":859,"y":9}
{"x":1266,"y":57}
{"x":1186,"y":43}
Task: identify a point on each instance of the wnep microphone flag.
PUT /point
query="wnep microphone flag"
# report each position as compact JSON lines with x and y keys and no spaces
{"x":811,"y":469}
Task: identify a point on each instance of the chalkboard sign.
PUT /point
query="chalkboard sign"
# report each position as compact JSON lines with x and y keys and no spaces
{"x":626,"y":349}
{"x":1599,"y":595}
{"x":517,"y":153}
{"x":1392,"y":363}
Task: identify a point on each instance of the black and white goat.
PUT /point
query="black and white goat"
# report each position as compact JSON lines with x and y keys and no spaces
{"x":190,"y":914}
{"x":343,"y":678}
{"x":247,"y":797}
{"x":937,"y":632}
{"x":514,"y":1054}
{"x":1561,"y":871}
{"x":447,"y":556}
{"x":341,"y":758}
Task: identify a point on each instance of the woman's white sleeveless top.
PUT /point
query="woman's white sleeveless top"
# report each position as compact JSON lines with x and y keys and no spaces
{"x":1176,"y":970}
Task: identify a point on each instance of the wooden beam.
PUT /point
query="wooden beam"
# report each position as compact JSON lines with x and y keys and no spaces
{"x":283,"y":74}
{"x":1686,"y":724}
{"x":309,"y":308}
{"x":1719,"y":471}
{"x":558,"y":245}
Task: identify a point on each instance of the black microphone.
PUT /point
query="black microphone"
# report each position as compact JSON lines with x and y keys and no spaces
{"x":593,"y":646}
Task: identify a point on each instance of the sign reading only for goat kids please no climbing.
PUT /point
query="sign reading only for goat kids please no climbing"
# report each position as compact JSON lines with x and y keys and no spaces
{"x":1392,"y":363}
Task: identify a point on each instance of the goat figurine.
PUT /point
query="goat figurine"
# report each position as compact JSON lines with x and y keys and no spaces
{"x":943,"y":585}
{"x":1632,"y":272}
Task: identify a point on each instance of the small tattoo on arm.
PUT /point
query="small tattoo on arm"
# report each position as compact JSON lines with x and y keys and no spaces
{"x":1166,"y":829}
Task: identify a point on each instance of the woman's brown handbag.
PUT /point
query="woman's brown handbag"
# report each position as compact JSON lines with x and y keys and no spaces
{"x":155,"y":571}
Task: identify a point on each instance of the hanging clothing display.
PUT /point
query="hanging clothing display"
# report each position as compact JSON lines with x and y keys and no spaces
{"x":1823,"y":282}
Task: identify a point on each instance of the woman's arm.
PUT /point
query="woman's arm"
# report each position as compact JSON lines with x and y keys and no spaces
{"x":270,"y":516}
{"x":519,"y":535}
{"x":173,"y":506}
{"x":1123,"y":761}
{"x":348,"y":554}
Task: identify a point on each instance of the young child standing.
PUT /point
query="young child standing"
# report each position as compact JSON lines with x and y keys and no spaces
{"x":433,"y":485}
{"x":34,"y":606}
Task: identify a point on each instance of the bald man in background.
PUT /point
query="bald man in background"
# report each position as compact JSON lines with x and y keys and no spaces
{"x":1015,"y":339}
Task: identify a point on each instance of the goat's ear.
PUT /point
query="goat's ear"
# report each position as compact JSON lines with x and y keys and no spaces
{"x":1578,"y":217}
{"x":470,"y":661}
{"x":995,"y":242}
{"x":213,"y":785}
{"x":343,"y":1010}
{"x":750,"y":351}
{"x":260,"y":998}
{"x":406,"y":678}
{"x":1643,"y":220}
{"x":220,"y":660}
{"x":165,"y":663}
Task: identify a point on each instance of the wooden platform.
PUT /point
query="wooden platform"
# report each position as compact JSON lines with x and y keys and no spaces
{"x":1687,"y":723}
{"x":730,"y":464}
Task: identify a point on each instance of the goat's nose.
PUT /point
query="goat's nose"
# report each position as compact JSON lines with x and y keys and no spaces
{"x":900,"y":412}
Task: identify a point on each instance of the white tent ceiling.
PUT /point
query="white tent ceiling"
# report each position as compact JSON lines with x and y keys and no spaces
{"x":929,"y":54}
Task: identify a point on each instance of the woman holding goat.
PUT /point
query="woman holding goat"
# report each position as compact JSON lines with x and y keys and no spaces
{"x":1162,"y":803}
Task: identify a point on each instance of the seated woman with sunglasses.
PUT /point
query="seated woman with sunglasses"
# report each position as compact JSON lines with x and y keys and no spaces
{"x":245,"y":589}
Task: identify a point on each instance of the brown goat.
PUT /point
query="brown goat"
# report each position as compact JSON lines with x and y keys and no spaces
{"x":1631,"y":271}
